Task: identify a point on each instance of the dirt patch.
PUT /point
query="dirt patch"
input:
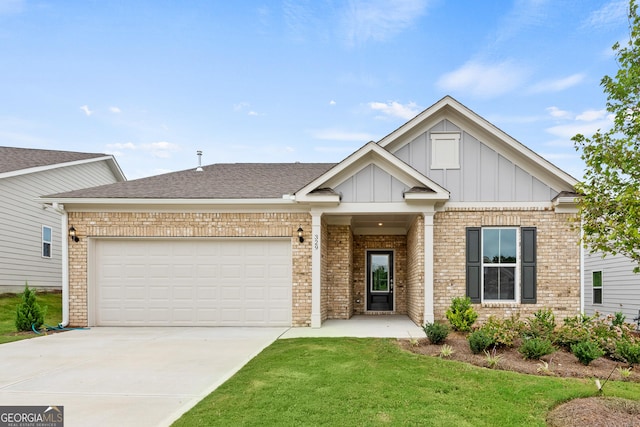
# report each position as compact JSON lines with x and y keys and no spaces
{"x":594,"y":412}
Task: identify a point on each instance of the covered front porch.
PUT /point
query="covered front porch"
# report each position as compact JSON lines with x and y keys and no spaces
{"x":372,"y":265}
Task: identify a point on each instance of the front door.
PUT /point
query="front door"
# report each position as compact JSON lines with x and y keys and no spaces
{"x":380,"y":280}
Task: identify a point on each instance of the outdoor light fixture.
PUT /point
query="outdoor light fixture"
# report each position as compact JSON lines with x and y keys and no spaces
{"x":300,"y":238}
{"x":72,"y":234}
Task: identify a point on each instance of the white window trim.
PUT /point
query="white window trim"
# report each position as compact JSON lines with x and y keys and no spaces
{"x":601,"y":287}
{"x":516,"y":284}
{"x":43,"y":241}
{"x":437,"y":163}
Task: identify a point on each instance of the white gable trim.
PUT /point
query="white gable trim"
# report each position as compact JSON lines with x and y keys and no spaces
{"x":487,"y":133}
{"x":370,"y":153}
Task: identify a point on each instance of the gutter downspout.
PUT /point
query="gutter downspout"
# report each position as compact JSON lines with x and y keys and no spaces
{"x":65,"y":263}
{"x":581,"y":266}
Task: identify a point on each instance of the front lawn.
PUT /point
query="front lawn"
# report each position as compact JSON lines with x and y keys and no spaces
{"x":8,"y":305}
{"x":363,"y":382}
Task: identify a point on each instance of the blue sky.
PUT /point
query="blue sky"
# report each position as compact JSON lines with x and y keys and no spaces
{"x":309,"y":80}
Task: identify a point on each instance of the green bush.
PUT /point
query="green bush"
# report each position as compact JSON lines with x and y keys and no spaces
{"x":586,"y":351}
{"x":618,"y":319}
{"x":28,"y":313}
{"x":504,"y":331}
{"x":535,"y":348}
{"x":542,"y":324}
{"x":628,"y":351}
{"x":436,"y":332}
{"x":480,"y":340}
{"x":461,"y":314}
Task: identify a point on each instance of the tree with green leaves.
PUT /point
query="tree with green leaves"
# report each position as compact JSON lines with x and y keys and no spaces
{"x":29,"y":314}
{"x":610,"y":202}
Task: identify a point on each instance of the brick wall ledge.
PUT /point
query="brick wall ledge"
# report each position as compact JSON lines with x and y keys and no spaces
{"x":500,"y":305}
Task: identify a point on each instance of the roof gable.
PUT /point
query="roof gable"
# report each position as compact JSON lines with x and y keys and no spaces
{"x":458,"y":116}
{"x":20,"y":161}
{"x":375,"y":164}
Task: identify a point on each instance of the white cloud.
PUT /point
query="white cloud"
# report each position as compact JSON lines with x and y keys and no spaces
{"x":86,"y":110}
{"x":340,"y":135}
{"x":557,"y":113}
{"x":241,"y":106}
{"x":591,"y":115}
{"x":484,"y":80}
{"x":586,"y":128}
{"x":395,"y":109}
{"x":115,"y":110}
{"x":378,"y":20}
{"x":160,"y":149}
{"x":252,"y":113}
{"x":121,"y":146}
{"x":610,"y":14}
{"x":332,"y":102}
{"x":557,"y":85}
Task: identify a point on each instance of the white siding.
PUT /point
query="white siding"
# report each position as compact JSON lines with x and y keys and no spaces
{"x":620,"y":285}
{"x":22,"y":218}
{"x":372,"y":184}
{"x":484,"y":175}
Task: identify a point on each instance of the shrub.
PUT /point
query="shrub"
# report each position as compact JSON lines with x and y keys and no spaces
{"x":28,"y":313}
{"x":629,"y":352}
{"x":541,"y":325}
{"x":480,"y":340}
{"x":446,"y":350}
{"x":535,"y":348}
{"x":436,"y":332}
{"x":618,"y":319}
{"x":461,"y":314}
{"x":504,"y":332}
{"x":586,"y":351}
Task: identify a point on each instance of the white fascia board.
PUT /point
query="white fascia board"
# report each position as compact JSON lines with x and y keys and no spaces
{"x":496,"y":205}
{"x":566,"y":205}
{"x":128,"y":205}
{"x":113,"y":165}
{"x":425,"y":196}
{"x":400,"y":208}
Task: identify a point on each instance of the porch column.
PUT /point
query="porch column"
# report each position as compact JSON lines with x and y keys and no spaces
{"x":428,"y":267}
{"x":316,"y":244}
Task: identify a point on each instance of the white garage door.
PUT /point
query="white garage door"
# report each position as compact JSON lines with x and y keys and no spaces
{"x":192,"y":282}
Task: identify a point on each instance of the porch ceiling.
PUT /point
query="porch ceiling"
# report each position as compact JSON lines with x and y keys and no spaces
{"x":374,"y":224}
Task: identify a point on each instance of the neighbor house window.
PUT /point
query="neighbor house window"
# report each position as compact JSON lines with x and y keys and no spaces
{"x":597,"y":286}
{"x":445,"y":150}
{"x":46,"y":241}
{"x":501,"y":264}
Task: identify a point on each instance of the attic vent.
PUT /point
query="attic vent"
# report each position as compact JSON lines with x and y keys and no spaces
{"x":199,"y":168}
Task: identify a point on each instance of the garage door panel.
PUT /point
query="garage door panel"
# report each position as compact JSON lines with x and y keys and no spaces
{"x":193,"y":282}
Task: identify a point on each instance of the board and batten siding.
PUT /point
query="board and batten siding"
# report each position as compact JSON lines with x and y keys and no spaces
{"x":22,"y":218}
{"x":620,"y":285}
{"x":484,"y":174}
{"x":372,"y":184}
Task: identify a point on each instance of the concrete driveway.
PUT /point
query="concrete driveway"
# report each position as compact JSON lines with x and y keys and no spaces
{"x":125,"y":376}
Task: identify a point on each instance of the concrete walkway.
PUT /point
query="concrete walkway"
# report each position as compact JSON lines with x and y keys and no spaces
{"x":149,"y":376}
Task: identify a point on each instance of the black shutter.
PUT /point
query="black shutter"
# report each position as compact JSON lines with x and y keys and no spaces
{"x":528,"y":265}
{"x":474,"y":263}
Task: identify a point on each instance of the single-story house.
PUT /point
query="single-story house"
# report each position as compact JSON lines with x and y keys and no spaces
{"x":447,"y":205}
{"x":611,"y":286}
{"x":31,"y":240}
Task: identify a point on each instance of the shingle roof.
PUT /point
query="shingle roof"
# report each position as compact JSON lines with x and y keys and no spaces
{"x":14,"y":159}
{"x":217,"y":181}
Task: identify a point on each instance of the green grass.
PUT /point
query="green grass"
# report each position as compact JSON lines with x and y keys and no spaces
{"x":365,"y":382}
{"x":8,"y":305}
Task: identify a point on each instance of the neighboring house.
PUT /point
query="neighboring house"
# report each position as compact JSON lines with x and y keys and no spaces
{"x":611,"y":286}
{"x":445,"y":206}
{"x":31,"y":238}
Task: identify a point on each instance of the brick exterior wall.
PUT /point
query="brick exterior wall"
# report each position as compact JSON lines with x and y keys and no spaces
{"x":558,"y":260}
{"x":415,"y":271}
{"x":339,"y":272}
{"x":165,"y":224}
{"x":396,"y":243}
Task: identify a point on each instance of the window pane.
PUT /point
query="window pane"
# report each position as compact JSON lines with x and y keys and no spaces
{"x":46,"y":250}
{"x":46,"y":234}
{"x":491,"y":245}
{"x":490,"y":283}
{"x":507,"y":283}
{"x":597,"y":295}
{"x":597,"y":279}
{"x":508,"y":246}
